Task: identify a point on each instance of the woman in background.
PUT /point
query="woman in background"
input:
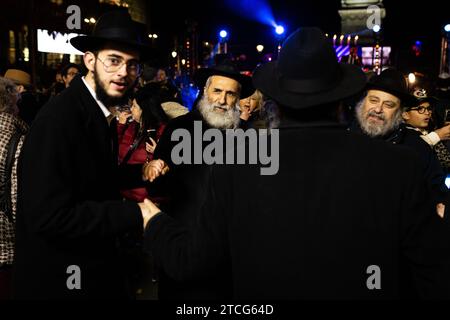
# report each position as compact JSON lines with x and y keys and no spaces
{"x":12,"y":134}
{"x":137,"y":139}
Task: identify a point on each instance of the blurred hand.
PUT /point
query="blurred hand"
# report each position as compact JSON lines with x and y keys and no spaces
{"x":123,"y":116}
{"x":154,"y":169}
{"x":150,"y":147}
{"x":245,"y":113}
{"x":148,"y":210}
{"x":444,"y":132}
{"x":440,"y":209}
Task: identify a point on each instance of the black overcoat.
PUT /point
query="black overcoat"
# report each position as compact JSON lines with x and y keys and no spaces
{"x":69,"y":209}
{"x":340,"y":207}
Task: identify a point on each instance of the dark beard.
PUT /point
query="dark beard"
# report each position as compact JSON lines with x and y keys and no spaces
{"x":107,"y":100}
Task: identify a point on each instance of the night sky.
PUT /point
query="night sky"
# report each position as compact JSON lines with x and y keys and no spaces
{"x":405,"y":23}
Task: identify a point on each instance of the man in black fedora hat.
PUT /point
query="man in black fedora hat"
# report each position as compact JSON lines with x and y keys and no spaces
{"x":379,"y":116}
{"x":217,"y":108}
{"x":379,"y":111}
{"x":295,"y":234}
{"x":70,"y":215}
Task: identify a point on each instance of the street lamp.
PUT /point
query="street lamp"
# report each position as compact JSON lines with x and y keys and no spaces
{"x":411,"y":78}
{"x":447,"y":28}
{"x":259,"y":48}
{"x":174,"y":54}
{"x":279,"y":31}
{"x":223,"y":35}
{"x":376,"y":28}
{"x":90,"y":20}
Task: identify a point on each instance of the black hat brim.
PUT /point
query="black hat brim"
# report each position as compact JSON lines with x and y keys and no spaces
{"x":352,"y":82}
{"x":92,"y":43}
{"x":202,"y":75}
{"x":405,"y":98}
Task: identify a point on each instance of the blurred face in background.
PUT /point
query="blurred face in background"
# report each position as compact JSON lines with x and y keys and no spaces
{"x":136,"y":111}
{"x":161,"y":75}
{"x":252,"y":103}
{"x":71,"y":73}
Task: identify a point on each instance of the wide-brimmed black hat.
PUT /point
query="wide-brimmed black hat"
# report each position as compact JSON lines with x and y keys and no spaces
{"x":393,"y":82}
{"x":225,"y":68}
{"x":307,"y":73}
{"x":115,"y":27}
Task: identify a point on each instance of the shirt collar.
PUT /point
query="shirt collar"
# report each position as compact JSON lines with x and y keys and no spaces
{"x":94,"y":95}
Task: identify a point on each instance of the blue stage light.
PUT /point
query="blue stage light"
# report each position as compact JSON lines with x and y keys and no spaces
{"x":279,"y":30}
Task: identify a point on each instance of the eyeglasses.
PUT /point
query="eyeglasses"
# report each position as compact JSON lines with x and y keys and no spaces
{"x":422,"y":110}
{"x":114,"y":64}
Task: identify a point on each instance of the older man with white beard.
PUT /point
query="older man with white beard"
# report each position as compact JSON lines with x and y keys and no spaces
{"x":218,"y":107}
{"x":185,"y":184}
{"x":379,"y":115}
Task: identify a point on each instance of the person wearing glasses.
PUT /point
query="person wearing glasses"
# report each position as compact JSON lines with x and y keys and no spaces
{"x":419,"y":117}
{"x":70,"y":217}
{"x":379,"y":116}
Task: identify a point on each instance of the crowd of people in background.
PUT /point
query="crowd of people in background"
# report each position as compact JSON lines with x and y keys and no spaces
{"x":79,"y":199}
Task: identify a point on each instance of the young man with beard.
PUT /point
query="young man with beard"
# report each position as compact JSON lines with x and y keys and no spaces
{"x":187,"y":183}
{"x":70,"y":214}
{"x":379,"y":116}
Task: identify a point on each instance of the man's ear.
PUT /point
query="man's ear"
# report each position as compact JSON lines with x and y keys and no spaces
{"x":20,"y":88}
{"x":405,"y":115}
{"x":89,"y":60}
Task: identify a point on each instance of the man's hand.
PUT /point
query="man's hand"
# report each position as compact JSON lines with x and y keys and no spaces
{"x":440,"y":209}
{"x":444,"y":132}
{"x":148,"y":210}
{"x":154,"y":169}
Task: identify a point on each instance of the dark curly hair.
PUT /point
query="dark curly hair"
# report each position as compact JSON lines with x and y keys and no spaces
{"x":7,"y":92}
{"x":153,"y":115}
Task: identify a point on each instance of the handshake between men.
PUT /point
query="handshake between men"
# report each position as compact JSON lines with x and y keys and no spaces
{"x":154,"y":169}
{"x":150,"y":172}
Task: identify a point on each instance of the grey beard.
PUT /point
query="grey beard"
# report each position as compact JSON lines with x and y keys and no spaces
{"x":227,"y":120}
{"x":106,"y":99}
{"x":373,"y":130}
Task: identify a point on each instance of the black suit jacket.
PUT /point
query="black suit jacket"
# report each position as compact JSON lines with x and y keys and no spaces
{"x":69,"y":210}
{"x":339,"y":204}
{"x":186,"y":187}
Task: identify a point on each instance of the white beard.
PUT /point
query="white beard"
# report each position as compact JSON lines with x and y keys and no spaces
{"x":376,"y":130}
{"x":228,"y":119}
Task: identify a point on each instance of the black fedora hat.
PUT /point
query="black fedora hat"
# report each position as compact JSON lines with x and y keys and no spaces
{"x":307,"y":73}
{"x":393,"y":82}
{"x":225,"y":68}
{"x":116,"y":27}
